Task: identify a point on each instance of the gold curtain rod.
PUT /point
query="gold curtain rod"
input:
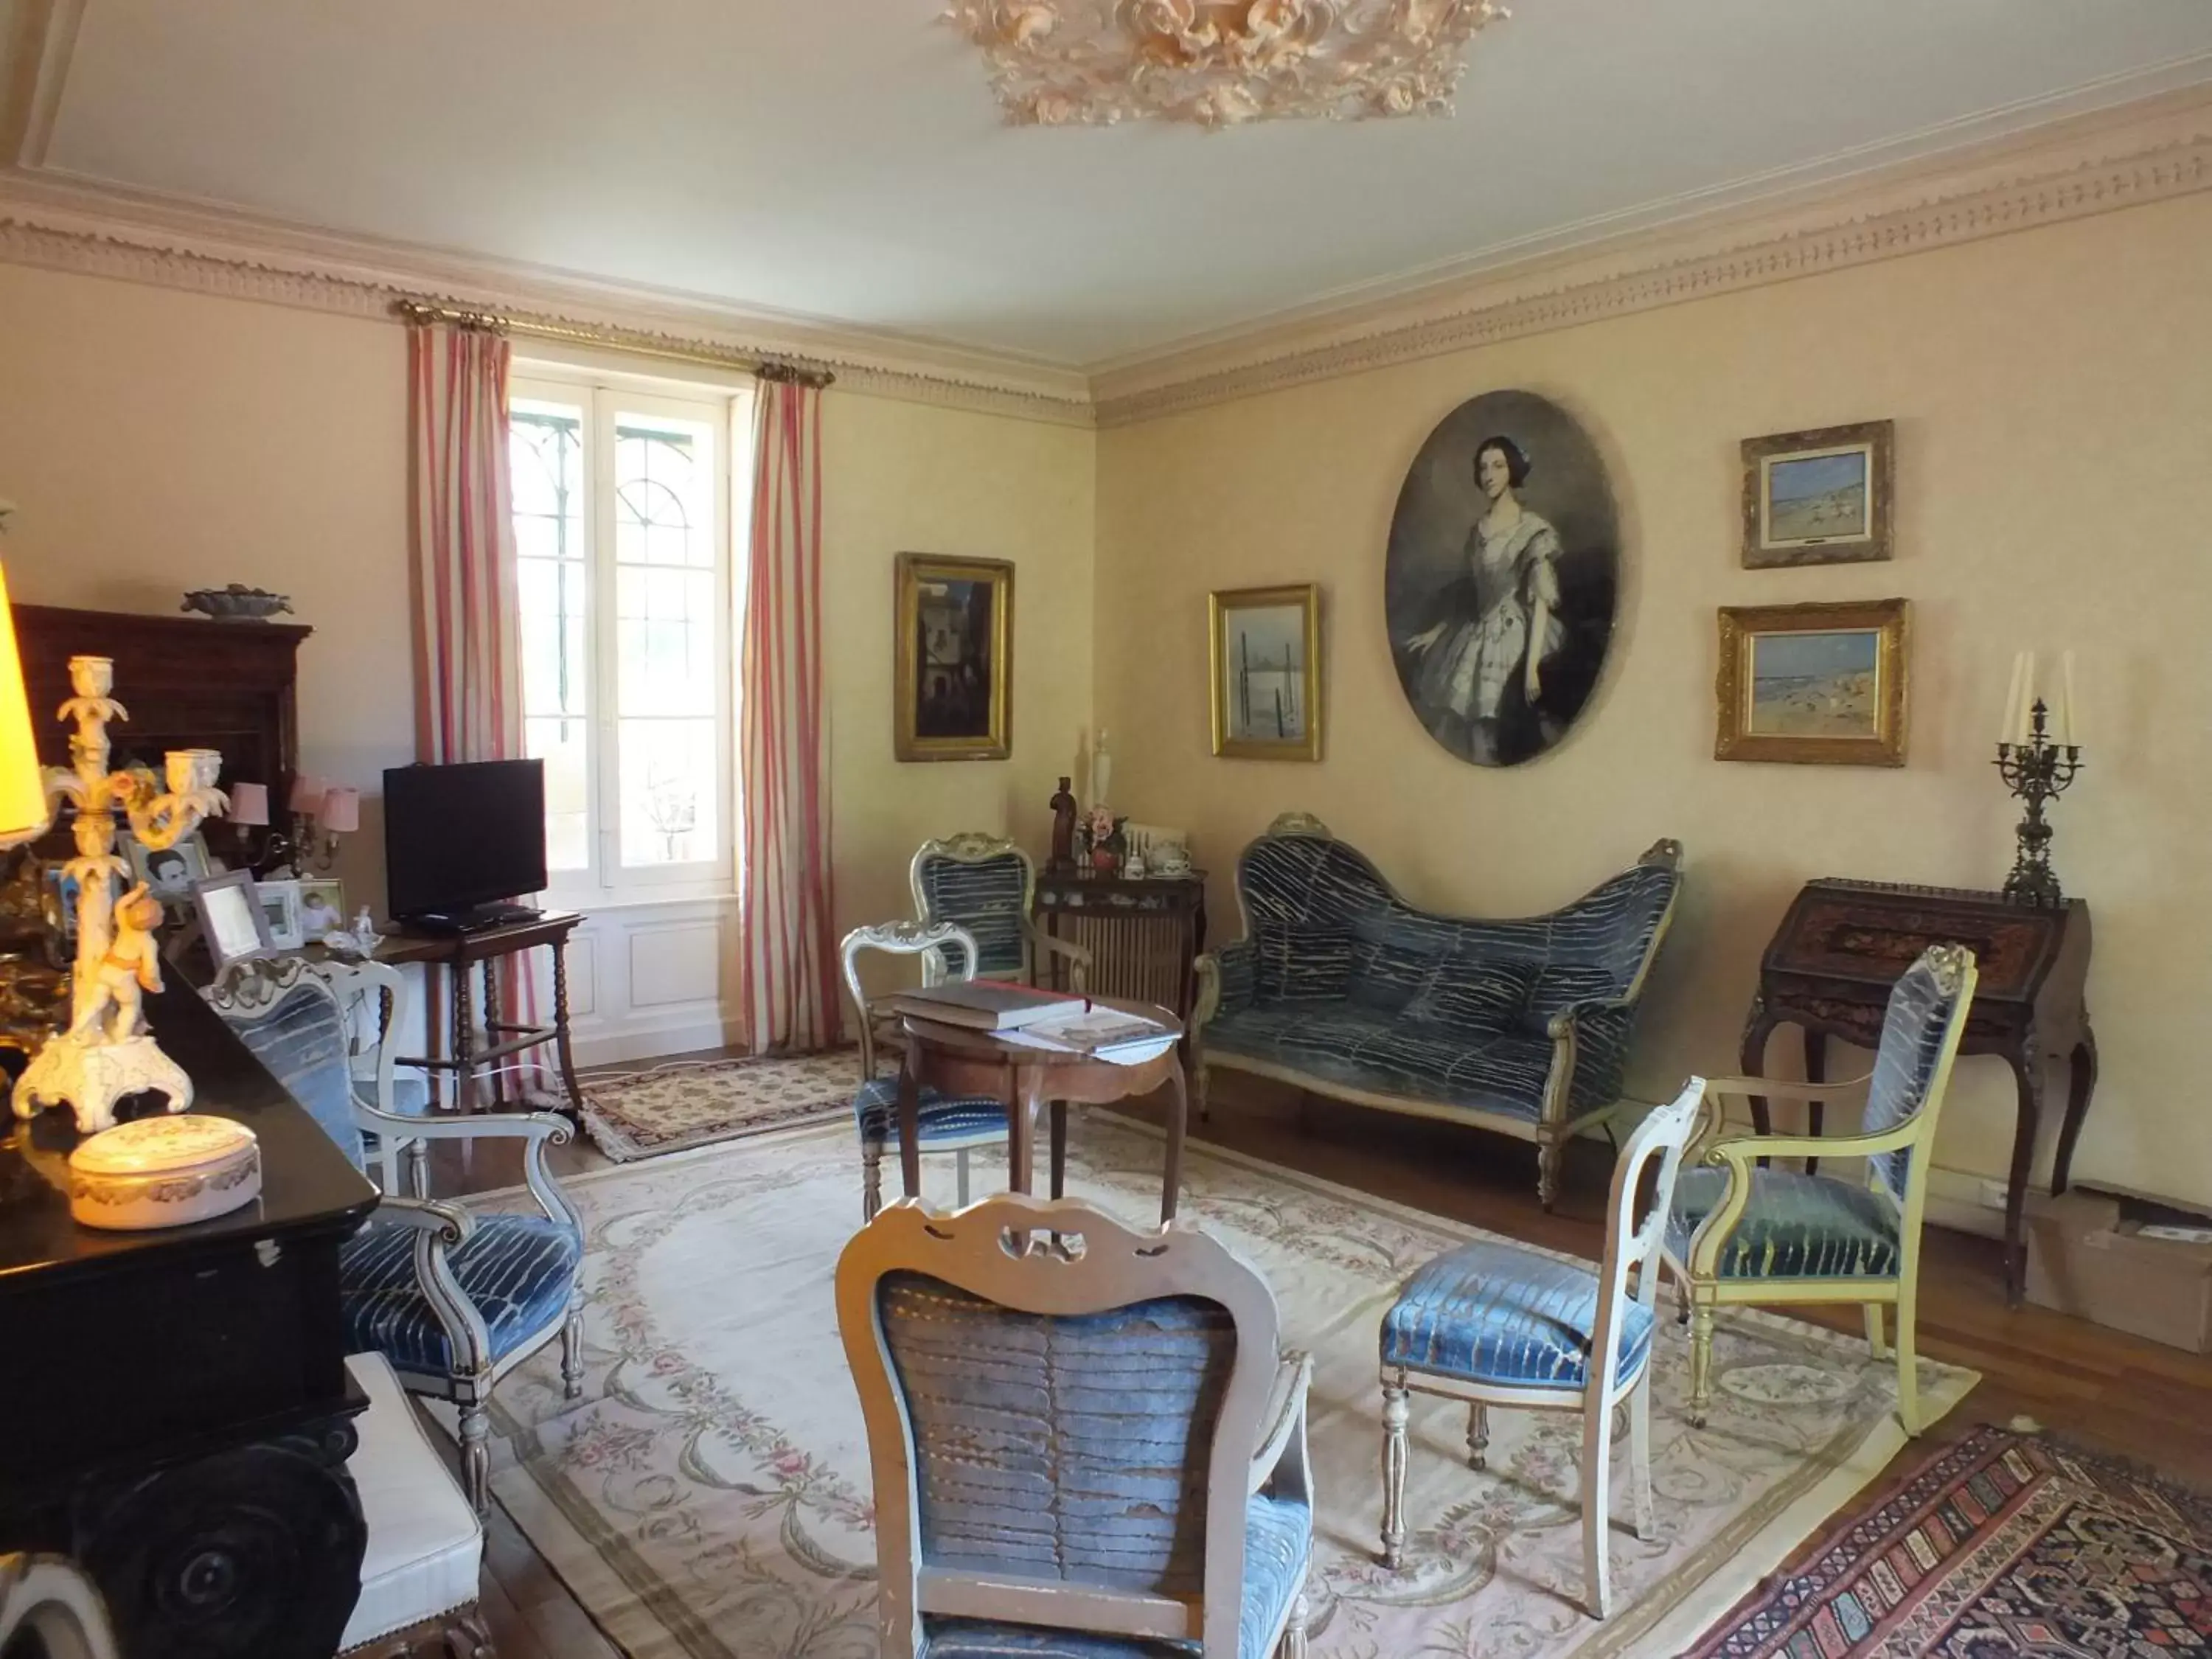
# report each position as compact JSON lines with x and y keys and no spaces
{"x":636,"y":341}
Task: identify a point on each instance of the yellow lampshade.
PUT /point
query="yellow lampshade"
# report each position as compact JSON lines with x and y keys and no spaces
{"x":24,"y":812}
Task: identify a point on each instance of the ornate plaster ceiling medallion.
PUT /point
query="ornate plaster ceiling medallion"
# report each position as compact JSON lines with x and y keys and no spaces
{"x":1218,"y":63}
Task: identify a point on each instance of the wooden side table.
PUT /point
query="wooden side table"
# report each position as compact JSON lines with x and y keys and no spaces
{"x":1844,"y":944}
{"x":1143,"y":935}
{"x":452,"y":955}
{"x":957,"y":1059}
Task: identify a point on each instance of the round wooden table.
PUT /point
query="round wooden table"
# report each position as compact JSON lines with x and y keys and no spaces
{"x":958,"y":1061}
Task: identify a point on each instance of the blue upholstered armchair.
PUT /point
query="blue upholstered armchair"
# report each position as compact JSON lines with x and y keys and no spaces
{"x":987,"y":885}
{"x":1075,"y":1428}
{"x":1749,"y":1230}
{"x":1344,"y":989}
{"x":455,"y":1300}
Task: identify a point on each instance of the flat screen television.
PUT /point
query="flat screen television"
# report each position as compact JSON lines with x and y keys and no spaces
{"x":459,"y":839}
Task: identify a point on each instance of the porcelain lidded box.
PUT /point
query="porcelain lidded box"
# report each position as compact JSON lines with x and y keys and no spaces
{"x":164,"y":1172}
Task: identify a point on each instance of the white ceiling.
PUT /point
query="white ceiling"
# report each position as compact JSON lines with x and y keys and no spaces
{"x":843,"y":159}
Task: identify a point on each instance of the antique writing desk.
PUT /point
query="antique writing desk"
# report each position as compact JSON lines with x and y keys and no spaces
{"x":1844,"y":944}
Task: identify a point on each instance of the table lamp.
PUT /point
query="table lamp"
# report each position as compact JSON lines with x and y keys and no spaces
{"x":25,"y":812}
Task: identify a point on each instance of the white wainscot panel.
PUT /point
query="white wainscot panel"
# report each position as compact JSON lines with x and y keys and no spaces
{"x":674,"y":962}
{"x":583,"y":969}
{"x":653,"y":979}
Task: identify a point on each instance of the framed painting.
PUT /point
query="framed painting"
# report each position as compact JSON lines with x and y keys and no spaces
{"x":1824,"y":684}
{"x":1266,"y":660}
{"x":1817,"y":497}
{"x":954,"y":623}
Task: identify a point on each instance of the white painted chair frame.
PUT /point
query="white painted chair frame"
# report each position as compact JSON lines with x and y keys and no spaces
{"x":1059,"y":1257}
{"x":1701,"y":1290}
{"x":49,"y":1605}
{"x":973,"y":847}
{"x":249,"y":990}
{"x":1663,"y":1135}
{"x":906,"y":939}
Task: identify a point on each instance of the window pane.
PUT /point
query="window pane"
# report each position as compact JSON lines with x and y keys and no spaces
{"x":668,"y":783}
{"x":666,"y":633}
{"x":553,"y":579}
{"x":663,"y":506}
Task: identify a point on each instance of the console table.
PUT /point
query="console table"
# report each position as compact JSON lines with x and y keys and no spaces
{"x":1144,"y":935}
{"x":180,"y":1410}
{"x":1844,"y":944}
{"x":452,"y":954}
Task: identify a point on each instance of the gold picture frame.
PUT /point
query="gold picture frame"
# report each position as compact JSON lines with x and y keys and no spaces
{"x":1820,"y":497}
{"x":1823,"y":684}
{"x":953,"y":620}
{"x":1266,"y":695}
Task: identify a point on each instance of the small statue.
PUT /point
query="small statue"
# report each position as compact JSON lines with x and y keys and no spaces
{"x":1063,"y":829}
{"x":131,"y":966}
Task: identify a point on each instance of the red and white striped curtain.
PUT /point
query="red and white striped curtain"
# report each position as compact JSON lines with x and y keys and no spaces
{"x":468,"y":693}
{"x":787,"y":944}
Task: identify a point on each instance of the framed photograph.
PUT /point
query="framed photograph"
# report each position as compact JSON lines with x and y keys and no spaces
{"x":1266,"y":660}
{"x":169,"y":872}
{"x":322,"y":907}
{"x":1817,"y":497}
{"x":232,"y":918}
{"x":1818,"y":683}
{"x":280,"y":905}
{"x":953,"y":620}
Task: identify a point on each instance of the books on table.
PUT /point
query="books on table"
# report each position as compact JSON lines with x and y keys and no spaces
{"x":1104,"y":1033}
{"x":986,"y":1004}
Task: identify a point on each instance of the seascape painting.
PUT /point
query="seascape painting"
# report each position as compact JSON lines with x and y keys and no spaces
{"x":1815,"y":685}
{"x":1266,"y":675}
{"x":1820,"y":497}
{"x":1817,"y":497}
{"x":1501,"y":578}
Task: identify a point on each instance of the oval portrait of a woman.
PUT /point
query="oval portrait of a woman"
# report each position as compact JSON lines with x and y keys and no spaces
{"x":1500,"y":583}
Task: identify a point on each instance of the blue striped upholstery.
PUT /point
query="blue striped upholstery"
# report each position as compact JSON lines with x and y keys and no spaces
{"x":303,"y":1042}
{"x":1905,"y":1064}
{"x":942,"y":1121}
{"x":1497,"y":1313}
{"x":1343,"y":982}
{"x":1794,"y":1226}
{"x":987,"y":898}
{"x":517,"y":1270}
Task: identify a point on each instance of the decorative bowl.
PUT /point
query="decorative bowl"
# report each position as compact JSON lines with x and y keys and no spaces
{"x":163,"y":1172}
{"x":236,"y":603}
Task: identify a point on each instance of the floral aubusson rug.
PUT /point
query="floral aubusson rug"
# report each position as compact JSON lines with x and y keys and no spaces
{"x":709,"y":1493}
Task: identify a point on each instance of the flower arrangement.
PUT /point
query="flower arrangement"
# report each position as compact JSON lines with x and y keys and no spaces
{"x":1101,"y":838}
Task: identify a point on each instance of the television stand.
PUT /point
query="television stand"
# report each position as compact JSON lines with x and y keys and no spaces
{"x":462,"y":1057}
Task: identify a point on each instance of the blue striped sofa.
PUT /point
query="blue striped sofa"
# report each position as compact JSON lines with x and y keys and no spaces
{"x":1343,"y":988}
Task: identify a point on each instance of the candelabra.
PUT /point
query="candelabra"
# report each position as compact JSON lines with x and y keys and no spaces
{"x":106,"y":1052}
{"x":2037,"y":770}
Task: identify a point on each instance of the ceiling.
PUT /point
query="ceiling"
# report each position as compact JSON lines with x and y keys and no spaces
{"x":844,"y":158}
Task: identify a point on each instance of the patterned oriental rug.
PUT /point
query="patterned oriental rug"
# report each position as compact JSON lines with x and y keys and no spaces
{"x":708,"y":1496}
{"x":696,"y":1102}
{"x":1998,"y":1546}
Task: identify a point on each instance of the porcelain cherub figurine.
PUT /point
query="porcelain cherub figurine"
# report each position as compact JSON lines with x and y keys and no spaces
{"x":130,"y":967}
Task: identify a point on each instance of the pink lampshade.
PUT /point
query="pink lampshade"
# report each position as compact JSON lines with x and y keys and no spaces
{"x":308,"y":794}
{"x":249,"y":803}
{"x":341,"y":812}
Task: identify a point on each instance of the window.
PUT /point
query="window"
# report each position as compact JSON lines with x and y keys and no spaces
{"x":624,"y":556}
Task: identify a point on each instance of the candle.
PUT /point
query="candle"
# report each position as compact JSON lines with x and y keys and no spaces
{"x":2067,"y":733}
{"x":307,"y":795}
{"x":2024,"y":732}
{"x":341,"y":812}
{"x":249,"y":803}
{"x":2010,"y":729}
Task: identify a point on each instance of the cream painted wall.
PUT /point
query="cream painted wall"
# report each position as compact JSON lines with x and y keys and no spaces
{"x":2054,"y":488}
{"x":156,"y":440}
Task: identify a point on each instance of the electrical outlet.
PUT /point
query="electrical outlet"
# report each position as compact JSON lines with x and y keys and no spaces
{"x":1993,"y":1194}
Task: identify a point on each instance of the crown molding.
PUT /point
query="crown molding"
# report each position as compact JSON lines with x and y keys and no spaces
{"x":2153,"y":150}
{"x":60,"y":223}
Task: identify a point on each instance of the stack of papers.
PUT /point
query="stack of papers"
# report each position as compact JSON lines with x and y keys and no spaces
{"x":1109,"y":1034}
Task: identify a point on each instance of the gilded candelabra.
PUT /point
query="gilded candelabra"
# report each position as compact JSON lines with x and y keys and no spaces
{"x":107,"y":1052}
{"x":2037,"y":770}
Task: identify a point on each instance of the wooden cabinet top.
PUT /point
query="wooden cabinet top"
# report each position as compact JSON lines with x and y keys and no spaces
{"x":1868,"y":934}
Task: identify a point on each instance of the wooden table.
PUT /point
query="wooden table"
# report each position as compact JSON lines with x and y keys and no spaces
{"x":452,"y":954}
{"x":1844,"y":944}
{"x":958,"y":1060}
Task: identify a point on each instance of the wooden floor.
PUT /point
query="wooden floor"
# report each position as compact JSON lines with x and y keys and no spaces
{"x":2099,"y":1388}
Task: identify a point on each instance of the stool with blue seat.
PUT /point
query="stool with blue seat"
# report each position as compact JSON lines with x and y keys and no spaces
{"x":1497,"y":1324}
{"x":953,"y":1124}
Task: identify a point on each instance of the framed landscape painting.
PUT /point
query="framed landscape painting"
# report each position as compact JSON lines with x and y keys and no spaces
{"x":1824,"y":684}
{"x":954,"y":624}
{"x":1266,"y":657}
{"x":1817,"y":497}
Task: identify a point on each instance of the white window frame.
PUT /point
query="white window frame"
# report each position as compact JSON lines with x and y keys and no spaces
{"x":605,"y":882}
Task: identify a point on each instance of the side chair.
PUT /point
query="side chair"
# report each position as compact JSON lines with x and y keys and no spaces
{"x":957,"y":1125}
{"x":1076,"y":1429}
{"x":1493,"y":1323}
{"x":454,"y":1300}
{"x":987,"y":885}
{"x":1748,"y":1232}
